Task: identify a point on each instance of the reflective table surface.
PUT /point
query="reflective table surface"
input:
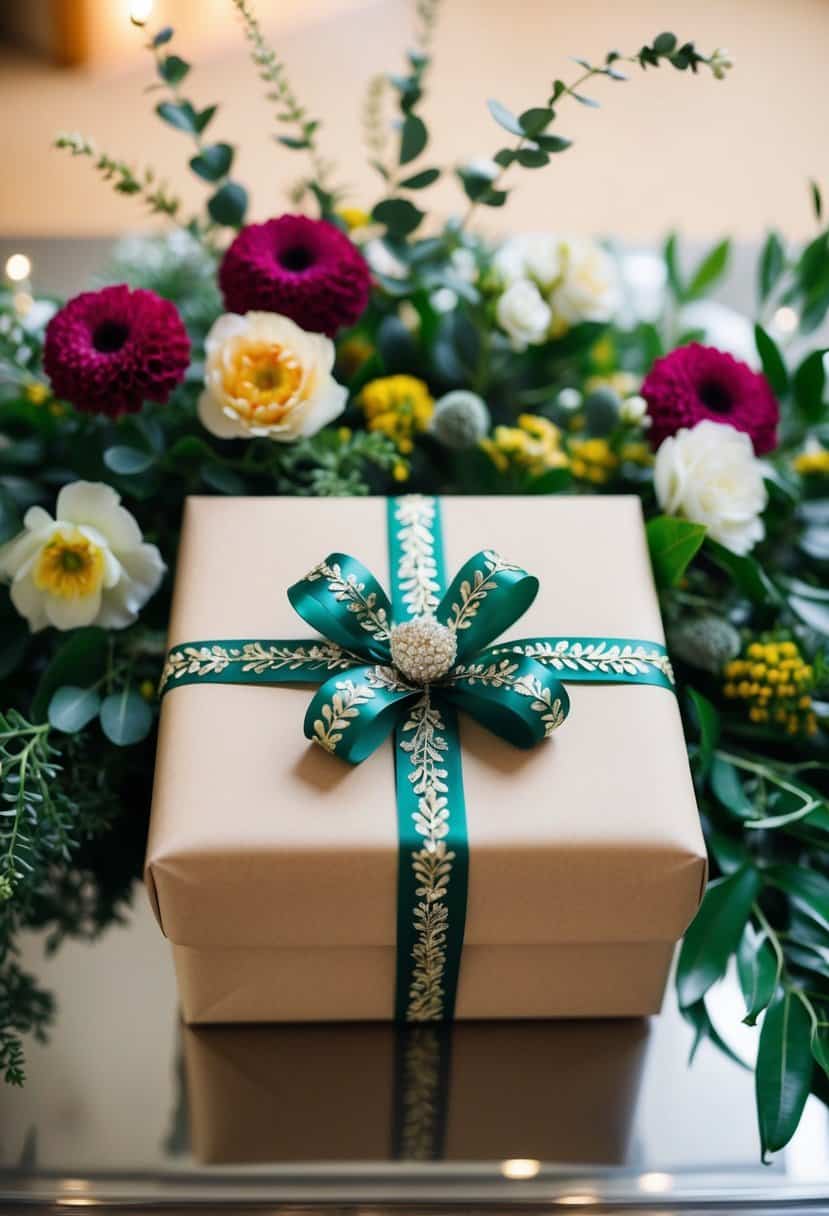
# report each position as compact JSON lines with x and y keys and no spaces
{"x":125,"y":1104}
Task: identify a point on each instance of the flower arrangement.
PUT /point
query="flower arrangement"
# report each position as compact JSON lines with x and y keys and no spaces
{"x":345,"y":352}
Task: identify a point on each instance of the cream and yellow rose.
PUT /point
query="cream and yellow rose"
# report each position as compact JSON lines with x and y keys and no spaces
{"x":265,"y":376}
{"x":88,"y":566}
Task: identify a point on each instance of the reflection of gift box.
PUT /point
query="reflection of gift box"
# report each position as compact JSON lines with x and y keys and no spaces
{"x":272,"y":866}
{"x":554,"y":1091}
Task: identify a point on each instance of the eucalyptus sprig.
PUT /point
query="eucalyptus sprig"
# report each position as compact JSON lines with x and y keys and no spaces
{"x":36,"y":822}
{"x":535,"y":142}
{"x":212,"y":162}
{"x":124,"y":178}
{"x":291,"y":113}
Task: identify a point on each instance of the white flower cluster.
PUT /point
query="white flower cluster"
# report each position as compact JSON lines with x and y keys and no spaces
{"x":551,"y":283}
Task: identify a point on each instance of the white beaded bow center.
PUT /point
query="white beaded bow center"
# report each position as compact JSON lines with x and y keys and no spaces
{"x":423,"y":650}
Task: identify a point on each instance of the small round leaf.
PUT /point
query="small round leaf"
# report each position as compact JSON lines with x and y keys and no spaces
{"x":71,"y":708}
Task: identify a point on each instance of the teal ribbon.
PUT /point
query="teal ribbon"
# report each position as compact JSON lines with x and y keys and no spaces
{"x":515,"y":689}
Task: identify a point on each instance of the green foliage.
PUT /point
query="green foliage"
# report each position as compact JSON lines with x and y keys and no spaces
{"x":672,"y":543}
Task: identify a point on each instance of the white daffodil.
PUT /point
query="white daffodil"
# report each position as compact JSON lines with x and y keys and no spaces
{"x":266,"y":376}
{"x":87,"y":566}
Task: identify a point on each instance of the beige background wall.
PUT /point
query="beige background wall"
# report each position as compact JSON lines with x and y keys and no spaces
{"x":664,"y":149}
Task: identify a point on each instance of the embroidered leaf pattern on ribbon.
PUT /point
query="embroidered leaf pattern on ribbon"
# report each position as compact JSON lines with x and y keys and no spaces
{"x":417,"y":566}
{"x":339,"y":713}
{"x":628,"y":659}
{"x":256,"y":657}
{"x":472,"y":594}
{"x":348,"y":590}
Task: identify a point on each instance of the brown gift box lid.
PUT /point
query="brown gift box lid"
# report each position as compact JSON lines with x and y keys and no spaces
{"x":260,"y":839}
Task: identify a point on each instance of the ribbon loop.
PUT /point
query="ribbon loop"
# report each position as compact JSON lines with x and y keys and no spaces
{"x":343,"y":601}
{"x":351,"y":715}
{"x":515,"y":697}
{"x":484,"y":598}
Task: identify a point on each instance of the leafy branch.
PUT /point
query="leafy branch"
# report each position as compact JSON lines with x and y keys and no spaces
{"x":291,"y":112}
{"x":212,"y":162}
{"x":536,"y":144}
{"x":34,"y":821}
{"x":124,"y":178}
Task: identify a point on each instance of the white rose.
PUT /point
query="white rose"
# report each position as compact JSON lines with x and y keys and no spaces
{"x":588,"y":288}
{"x":523,"y":314}
{"x":710,"y":475}
{"x":533,"y":256}
{"x":266,"y":376}
{"x":87,"y":566}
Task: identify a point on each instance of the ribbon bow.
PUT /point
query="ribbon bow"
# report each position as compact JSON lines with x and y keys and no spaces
{"x":407,"y":665}
{"x":442,"y":653}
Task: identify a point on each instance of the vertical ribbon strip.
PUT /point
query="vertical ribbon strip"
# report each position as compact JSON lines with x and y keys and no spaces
{"x":433,"y":852}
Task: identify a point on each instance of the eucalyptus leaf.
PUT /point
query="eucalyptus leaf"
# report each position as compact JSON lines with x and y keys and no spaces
{"x":179,"y":114}
{"x":418,"y":181}
{"x":163,"y":35}
{"x":711,"y":268}
{"x":82,"y":659}
{"x":784,"y":1070}
{"x":671,"y":255}
{"x":400,"y":216}
{"x":126,"y":717}
{"x":413,"y":138}
{"x":715,"y":933}
{"x":504,"y":117}
{"x":533,"y":122}
{"x":228,"y":205}
{"x":127,"y":461}
{"x":772,"y":265}
{"x":72,"y":708}
{"x":173,"y":69}
{"x":758,"y":971}
{"x":809,"y":383}
{"x":213,"y":162}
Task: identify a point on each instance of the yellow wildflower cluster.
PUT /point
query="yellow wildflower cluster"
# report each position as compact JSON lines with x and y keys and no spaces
{"x":38,"y":393}
{"x":534,"y":445}
{"x":354,"y":218}
{"x":813,"y":461}
{"x":593,"y":460}
{"x":774,"y":681}
{"x":625,"y":384}
{"x":399,"y":406}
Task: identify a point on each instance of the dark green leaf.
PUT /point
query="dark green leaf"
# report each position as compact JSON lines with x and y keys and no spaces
{"x":72,"y":707}
{"x":228,"y":205}
{"x":711,"y":268}
{"x":672,"y":267}
{"x":817,"y":200}
{"x":413,"y":138}
{"x":294,"y":142}
{"x":672,"y":544}
{"x":204,"y":117}
{"x":772,"y":265}
{"x":774,"y":368}
{"x":420,"y":180}
{"x":400,"y":216}
{"x":213,"y":162}
{"x":757,"y":969}
{"x":820,"y":1049}
{"x":80,"y":660}
{"x":728,"y":788}
{"x":226,"y":481}
{"x":163,"y":35}
{"x":179,"y":114}
{"x":10,"y":522}
{"x":14,"y":640}
{"x":807,"y":888}
{"x":553,"y":143}
{"x":664,"y":44}
{"x":127,"y":461}
{"x":530,"y":158}
{"x":784,"y":1070}
{"x":533,"y":122}
{"x":708,"y":725}
{"x":697,"y":1016}
{"x":173,"y":69}
{"x":747,"y":574}
{"x":809,"y":383}
{"x":396,"y":346}
{"x":504,"y":117}
{"x":126,"y":717}
{"x":715,"y":933}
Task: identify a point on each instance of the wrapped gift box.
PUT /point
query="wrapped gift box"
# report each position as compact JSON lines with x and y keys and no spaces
{"x":272,"y":866}
{"x":560,"y":1092}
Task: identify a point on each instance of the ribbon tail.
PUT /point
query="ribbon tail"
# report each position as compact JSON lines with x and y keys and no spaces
{"x":351,"y":715}
{"x":515,"y":697}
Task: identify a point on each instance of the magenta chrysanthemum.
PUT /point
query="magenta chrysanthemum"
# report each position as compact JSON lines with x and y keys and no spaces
{"x":697,"y":382}
{"x":305,"y":269}
{"x":109,"y":351}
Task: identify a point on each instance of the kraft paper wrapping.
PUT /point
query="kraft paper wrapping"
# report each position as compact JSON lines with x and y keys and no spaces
{"x":260,"y":840}
{"x":557,"y":1092}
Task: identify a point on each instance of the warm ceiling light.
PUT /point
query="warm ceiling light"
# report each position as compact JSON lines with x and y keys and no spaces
{"x":140,"y":11}
{"x":521,"y":1168}
{"x":18,"y":268}
{"x":655,"y":1183}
